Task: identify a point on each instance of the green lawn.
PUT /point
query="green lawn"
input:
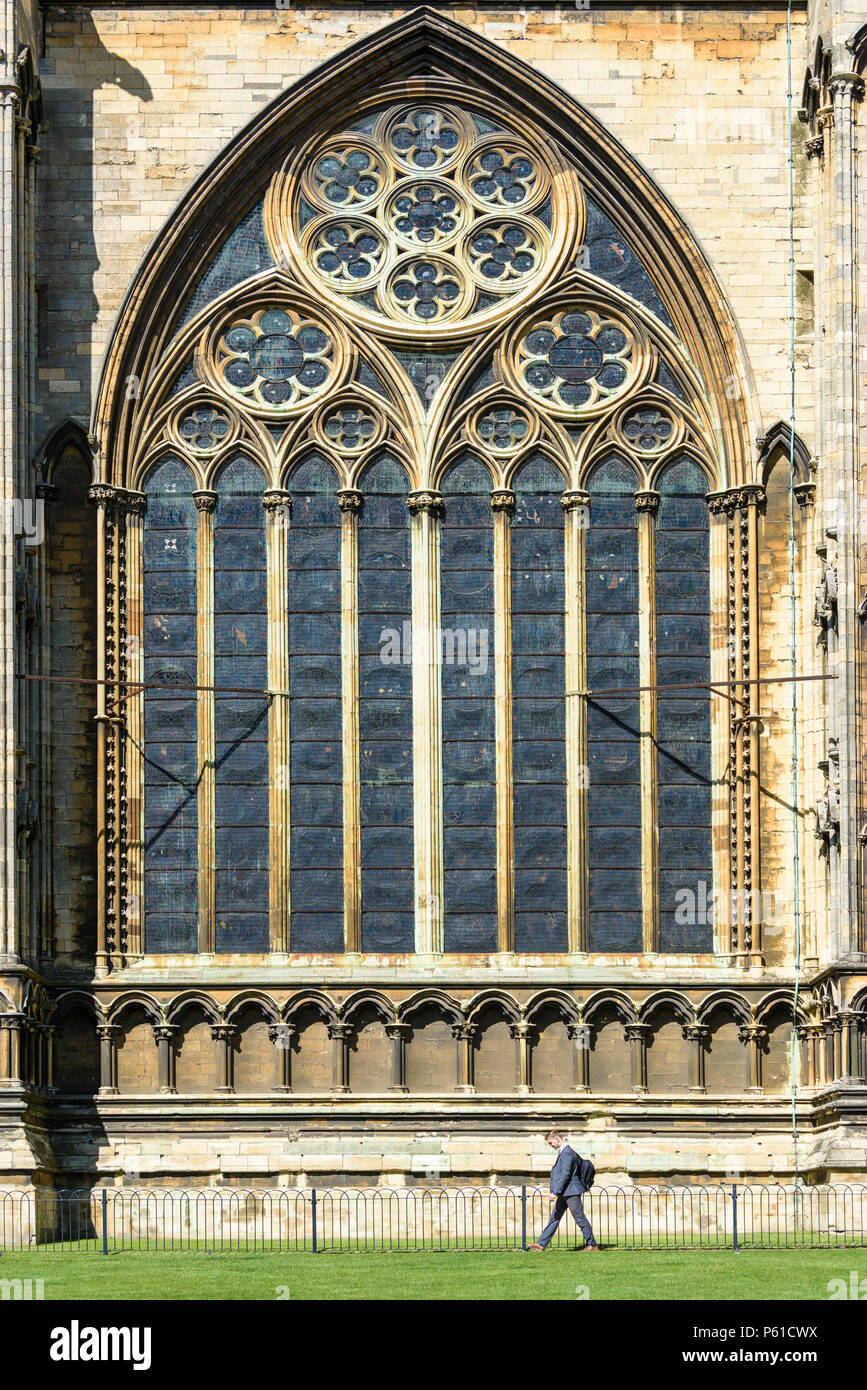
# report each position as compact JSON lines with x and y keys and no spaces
{"x":559,"y":1274}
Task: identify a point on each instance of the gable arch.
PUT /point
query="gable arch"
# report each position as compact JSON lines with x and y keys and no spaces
{"x":425,"y":51}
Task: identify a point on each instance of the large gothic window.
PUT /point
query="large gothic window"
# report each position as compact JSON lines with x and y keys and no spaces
{"x":425,"y":566}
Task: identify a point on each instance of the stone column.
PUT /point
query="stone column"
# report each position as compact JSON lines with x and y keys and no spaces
{"x":108,"y":1035}
{"x":851,"y":1048}
{"x":224,"y":1034}
{"x":830,"y":1070}
{"x":755,"y":1036}
{"x":277,"y":506}
{"x":647,"y":506}
{"x":577,"y":508}
{"x":164,"y":1036}
{"x":837,"y":1046}
{"x":425,"y":508}
{"x":282,"y":1036}
{"x":350,"y":501}
{"x":398,"y":1033}
{"x":697,"y":1034}
{"x":341,"y":1035}
{"x":206,"y":503}
{"x":580,"y":1035}
{"x":9,"y":106}
{"x":503,"y":505}
{"x":636,"y":1035}
{"x":805,"y":1038}
{"x":466,"y":1034}
{"x":50,"y":1033}
{"x":525,"y":1033}
{"x":133,"y":708}
{"x":103,"y":498}
{"x":11,"y":1025}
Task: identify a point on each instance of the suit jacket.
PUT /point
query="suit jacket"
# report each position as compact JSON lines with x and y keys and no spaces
{"x":565,"y":1181}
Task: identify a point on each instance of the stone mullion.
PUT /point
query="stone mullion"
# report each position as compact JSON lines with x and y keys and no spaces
{"x":697,"y":1034}
{"x":754,"y":1036}
{"x":206,"y":503}
{"x":133,"y":706}
{"x":577,"y":508}
{"x":525,"y":1034}
{"x":503,"y":503}
{"x":398,"y":1033}
{"x":580,"y":1035}
{"x":465,"y":1034}
{"x":224,"y":1035}
{"x":350,"y":501}
{"x":164,"y":1036}
{"x":277,"y":508}
{"x":646,"y":506}
{"x":108,"y":1035}
{"x":425,"y":509}
{"x":720,"y":717}
{"x":341,"y":1035}
{"x":636,"y":1035}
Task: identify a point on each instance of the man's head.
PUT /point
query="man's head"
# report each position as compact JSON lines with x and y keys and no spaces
{"x":554,"y":1139}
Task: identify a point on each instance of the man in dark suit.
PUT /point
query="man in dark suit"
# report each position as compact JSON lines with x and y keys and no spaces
{"x":566,"y":1191}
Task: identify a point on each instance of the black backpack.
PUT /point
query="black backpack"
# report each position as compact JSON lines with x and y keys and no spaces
{"x":586,"y":1173}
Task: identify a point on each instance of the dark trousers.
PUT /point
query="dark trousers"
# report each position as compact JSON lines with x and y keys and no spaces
{"x":559,"y":1211}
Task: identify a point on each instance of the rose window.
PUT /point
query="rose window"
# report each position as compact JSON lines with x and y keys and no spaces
{"x":347,"y":251}
{"x":204,"y":428}
{"x":504,"y":429}
{"x":350,"y":427}
{"x":275,"y":358}
{"x":649,"y":430}
{"x":576,"y":360}
{"x":472,"y":201}
{"x":426,"y":290}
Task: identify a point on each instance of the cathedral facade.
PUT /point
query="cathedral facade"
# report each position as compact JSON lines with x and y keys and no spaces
{"x":434,"y":593}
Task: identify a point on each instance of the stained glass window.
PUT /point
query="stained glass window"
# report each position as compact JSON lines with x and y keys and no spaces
{"x":538,"y":709}
{"x":240,"y":720}
{"x":613,"y":738}
{"x":683,"y":717}
{"x":315,"y":719}
{"x":170,"y":752}
{"x":385,"y":712}
{"x":469,"y":769}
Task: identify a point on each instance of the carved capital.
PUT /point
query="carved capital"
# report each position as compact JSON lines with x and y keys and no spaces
{"x":465,"y":1032}
{"x":574,"y":499}
{"x":205,"y":500}
{"x":107,"y":1032}
{"x":350,"y":499}
{"x":47,"y":492}
{"x":102,"y":494}
{"x":164,"y":1032}
{"x":135,"y":502}
{"x":849,"y":84}
{"x":647,"y":501}
{"x":282,"y":1034}
{"x":526,"y":1031}
{"x":695,"y":1032}
{"x":753,"y":1032}
{"x":717,"y":503}
{"x":430,"y":502}
{"x":342,"y":1032}
{"x":397,"y":1030}
{"x":503,"y":500}
{"x":636,"y":1032}
{"x":224,"y":1032}
{"x":805,"y":495}
{"x":276,"y":501}
{"x":814,"y":148}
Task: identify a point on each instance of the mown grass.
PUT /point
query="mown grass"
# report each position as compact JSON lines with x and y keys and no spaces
{"x":566,"y":1274}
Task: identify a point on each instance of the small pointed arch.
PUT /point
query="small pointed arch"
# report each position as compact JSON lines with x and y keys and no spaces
{"x":170,"y":475}
{"x":366,"y":1000}
{"x":780,"y":998}
{"x":193,"y":999}
{"x":314,"y":472}
{"x":666,"y":1000}
{"x":68,"y":435}
{"x":684,"y":474}
{"x":724,"y":1001}
{"x":609,"y":473}
{"x":464,"y":66}
{"x":431,"y":998}
{"x":386,"y":475}
{"x":313,"y":999}
{"x":552,"y":999}
{"x":613,"y":999}
{"x":857,"y":46}
{"x":543,"y":471}
{"x":75,"y":999}
{"x":134,"y":999}
{"x":466,"y":472}
{"x":6,"y":1003}
{"x":779,"y":446}
{"x":493,"y":999}
{"x":241,"y":474}
{"x":251,"y":999}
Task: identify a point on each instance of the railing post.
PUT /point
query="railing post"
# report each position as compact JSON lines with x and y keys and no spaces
{"x":523,"y":1217}
{"x":105,"y":1221}
{"x":313,"y":1195}
{"x":734,"y":1216}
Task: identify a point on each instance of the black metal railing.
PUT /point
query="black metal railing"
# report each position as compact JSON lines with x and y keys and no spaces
{"x":731,"y":1216}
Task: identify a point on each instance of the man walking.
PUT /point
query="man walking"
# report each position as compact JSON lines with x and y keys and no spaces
{"x":566,"y":1191}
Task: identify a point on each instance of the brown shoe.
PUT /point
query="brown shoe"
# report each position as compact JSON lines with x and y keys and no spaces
{"x":585,"y":1248}
{"x":543,"y":1248}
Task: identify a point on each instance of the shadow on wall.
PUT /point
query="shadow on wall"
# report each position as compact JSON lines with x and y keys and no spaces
{"x":75,"y":153}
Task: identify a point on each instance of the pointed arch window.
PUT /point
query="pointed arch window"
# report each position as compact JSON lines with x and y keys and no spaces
{"x":432,"y":581}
